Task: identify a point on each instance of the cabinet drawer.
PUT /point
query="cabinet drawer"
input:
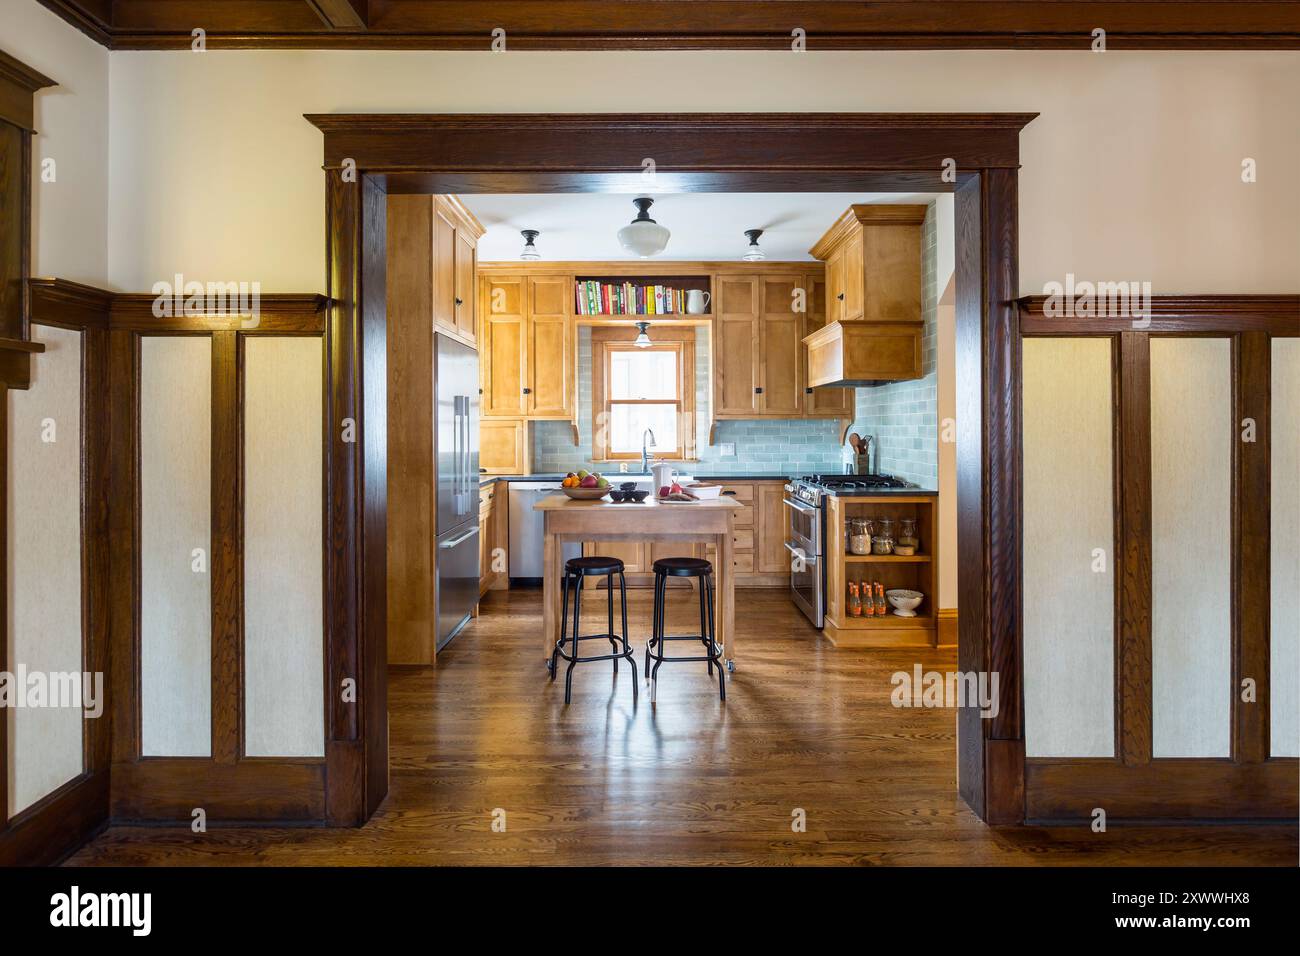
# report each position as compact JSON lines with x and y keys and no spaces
{"x":743,"y":562}
{"x":486,"y":495}
{"x":742,"y":539}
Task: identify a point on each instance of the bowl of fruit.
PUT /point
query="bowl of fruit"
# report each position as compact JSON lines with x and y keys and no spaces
{"x":584,"y":485}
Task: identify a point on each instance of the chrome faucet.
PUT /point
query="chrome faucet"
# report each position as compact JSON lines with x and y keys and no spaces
{"x":645,"y":454}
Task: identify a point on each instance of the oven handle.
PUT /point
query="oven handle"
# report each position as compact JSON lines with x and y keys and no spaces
{"x":800,"y":553}
{"x":799,"y":506}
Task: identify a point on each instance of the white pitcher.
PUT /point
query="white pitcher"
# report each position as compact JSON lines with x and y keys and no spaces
{"x":697,"y":301}
{"x":663,"y":476}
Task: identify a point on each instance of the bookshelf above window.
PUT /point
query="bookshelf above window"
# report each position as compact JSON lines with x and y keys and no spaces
{"x":642,"y":295}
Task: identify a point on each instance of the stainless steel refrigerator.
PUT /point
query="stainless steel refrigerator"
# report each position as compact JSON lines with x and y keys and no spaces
{"x":457,"y":571}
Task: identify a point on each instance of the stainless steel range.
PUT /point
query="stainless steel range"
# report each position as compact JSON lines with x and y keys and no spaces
{"x":805,"y":498}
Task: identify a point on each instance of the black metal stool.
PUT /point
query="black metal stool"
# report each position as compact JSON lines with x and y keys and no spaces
{"x":576,"y":570}
{"x":684,"y":568}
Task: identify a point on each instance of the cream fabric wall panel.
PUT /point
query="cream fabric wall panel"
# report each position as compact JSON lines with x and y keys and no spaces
{"x":1069,"y":632}
{"x":175,"y":519}
{"x":1284,"y":535}
{"x":283,"y":535}
{"x":43,"y":598}
{"x":1191,"y":546}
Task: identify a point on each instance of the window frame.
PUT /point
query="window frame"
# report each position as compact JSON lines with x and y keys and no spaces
{"x":604,"y":344}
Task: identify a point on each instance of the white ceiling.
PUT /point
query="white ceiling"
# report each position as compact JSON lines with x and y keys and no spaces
{"x":704,"y":225}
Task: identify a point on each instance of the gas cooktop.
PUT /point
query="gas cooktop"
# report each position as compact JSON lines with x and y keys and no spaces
{"x":810,"y":488}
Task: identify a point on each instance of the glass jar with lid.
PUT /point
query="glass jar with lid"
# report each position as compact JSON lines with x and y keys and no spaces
{"x":907,"y":542}
{"x":859,"y":536}
{"x":882,"y":542}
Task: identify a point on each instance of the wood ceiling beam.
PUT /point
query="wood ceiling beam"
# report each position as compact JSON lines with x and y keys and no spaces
{"x":342,"y":14}
{"x":688,"y":24}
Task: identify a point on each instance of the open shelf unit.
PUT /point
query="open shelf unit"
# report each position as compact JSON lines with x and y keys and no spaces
{"x":918,"y":572}
{"x":639,"y":280}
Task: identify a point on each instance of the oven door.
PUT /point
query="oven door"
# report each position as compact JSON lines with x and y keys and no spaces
{"x":805,"y":526}
{"x":807,"y":573}
{"x":807,"y":587}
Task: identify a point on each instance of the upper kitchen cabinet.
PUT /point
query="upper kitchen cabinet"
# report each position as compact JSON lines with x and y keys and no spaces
{"x":821,"y":402}
{"x":873,"y":298}
{"x":526,"y":356}
{"x":436,"y":260}
{"x":736,"y":371}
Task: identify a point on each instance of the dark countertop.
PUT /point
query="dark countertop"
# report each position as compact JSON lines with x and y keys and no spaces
{"x":884,"y":493}
{"x":751,"y":476}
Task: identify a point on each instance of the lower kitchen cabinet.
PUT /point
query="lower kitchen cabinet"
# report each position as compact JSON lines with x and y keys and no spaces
{"x":503,"y":446}
{"x":493,"y":537}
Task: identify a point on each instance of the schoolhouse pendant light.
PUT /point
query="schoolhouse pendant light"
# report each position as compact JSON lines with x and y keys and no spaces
{"x":530,"y":250}
{"x":642,"y":340}
{"x":753,"y":253}
{"x":643,"y":236}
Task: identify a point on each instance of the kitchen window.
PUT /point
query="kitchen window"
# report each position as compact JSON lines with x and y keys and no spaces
{"x":635,"y":389}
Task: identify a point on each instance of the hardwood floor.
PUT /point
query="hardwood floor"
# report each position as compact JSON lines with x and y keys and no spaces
{"x":690,"y":781}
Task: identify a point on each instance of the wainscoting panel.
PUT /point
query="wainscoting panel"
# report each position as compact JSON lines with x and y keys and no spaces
{"x":175,"y":521}
{"x":283,"y":535}
{"x":44,"y":563}
{"x":1191,"y":546}
{"x":1284,"y":561}
{"x":1069,"y":515}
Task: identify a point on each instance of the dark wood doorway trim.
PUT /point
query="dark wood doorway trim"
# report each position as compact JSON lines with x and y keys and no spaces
{"x":975,"y":155}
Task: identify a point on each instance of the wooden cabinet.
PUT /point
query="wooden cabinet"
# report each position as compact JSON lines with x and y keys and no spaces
{"x":526,"y":357}
{"x":550,"y":389}
{"x":873,"y":298}
{"x":771,"y":556}
{"x":825,"y":402}
{"x":780,"y":344}
{"x":434,"y":257}
{"x":736,"y":347}
{"x":493,"y":537}
{"x":873,"y":264}
{"x":503,"y":446}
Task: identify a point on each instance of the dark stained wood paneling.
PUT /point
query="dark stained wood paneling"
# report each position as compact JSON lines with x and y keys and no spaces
{"x":4,"y":618}
{"x":988,"y":491}
{"x":280,"y":313}
{"x":686,"y":24}
{"x":168,"y":789}
{"x":1251,"y":527}
{"x":46,"y":833}
{"x":227,"y":561}
{"x":1182,"y":789}
{"x":681,"y":144}
{"x":18,"y":84}
{"x":1189,"y":314}
{"x":1133,"y":514}
{"x":124,"y":543}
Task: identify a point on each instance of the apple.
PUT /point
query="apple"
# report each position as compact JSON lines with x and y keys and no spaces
{"x":582,"y":472}
{"x":665,"y":491}
{"x":602,"y":482}
{"x":588,"y":482}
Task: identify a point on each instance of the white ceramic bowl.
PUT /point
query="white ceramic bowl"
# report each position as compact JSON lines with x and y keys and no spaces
{"x":704,"y":492}
{"x":904,"y":601}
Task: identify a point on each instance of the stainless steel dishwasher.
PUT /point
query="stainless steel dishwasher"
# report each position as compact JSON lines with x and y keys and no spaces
{"x":526,"y":565}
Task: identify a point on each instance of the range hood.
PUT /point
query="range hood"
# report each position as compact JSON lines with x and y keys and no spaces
{"x":862,"y":354}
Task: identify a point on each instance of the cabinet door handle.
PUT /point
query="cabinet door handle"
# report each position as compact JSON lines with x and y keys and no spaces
{"x":807,"y":391}
{"x":460,"y":301}
{"x":732,"y":493}
{"x":840,"y":297}
{"x":758,"y":391}
{"x":528,"y":391}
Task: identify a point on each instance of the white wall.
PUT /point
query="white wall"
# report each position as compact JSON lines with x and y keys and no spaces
{"x":1132,"y":171}
{"x":70,"y":215}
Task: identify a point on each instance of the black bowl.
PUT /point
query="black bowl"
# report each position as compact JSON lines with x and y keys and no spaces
{"x":637,"y":496}
{"x":619,"y":495}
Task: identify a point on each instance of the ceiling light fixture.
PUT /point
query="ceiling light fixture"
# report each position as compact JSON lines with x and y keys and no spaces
{"x":643,"y":236}
{"x":642,"y":339}
{"x":530,"y":250}
{"x":753,"y":253}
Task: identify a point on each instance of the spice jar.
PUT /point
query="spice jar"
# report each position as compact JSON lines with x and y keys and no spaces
{"x":859,"y":536}
{"x":907,"y":542}
{"x":883,"y":540}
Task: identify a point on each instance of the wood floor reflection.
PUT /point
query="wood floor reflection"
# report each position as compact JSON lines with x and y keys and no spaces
{"x":688,"y":781}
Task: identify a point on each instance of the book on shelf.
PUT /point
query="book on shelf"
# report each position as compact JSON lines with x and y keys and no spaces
{"x":626,"y":298}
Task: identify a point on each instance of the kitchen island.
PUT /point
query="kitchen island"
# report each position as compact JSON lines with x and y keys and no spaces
{"x":566,"y":519}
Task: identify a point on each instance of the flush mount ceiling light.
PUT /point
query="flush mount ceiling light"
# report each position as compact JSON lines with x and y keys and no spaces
{"x":643,"y":236}
{"x":530,"y":250}
{"x":642,"y":340}
{"x":753,"y":253}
